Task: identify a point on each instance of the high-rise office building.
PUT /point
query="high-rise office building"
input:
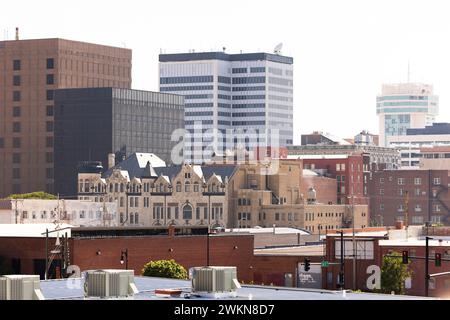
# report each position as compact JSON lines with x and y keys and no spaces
{"x":248,"y":93}
{"x":403,"y":106}
{"x":30,"y":71}
{"x":91,"y":123}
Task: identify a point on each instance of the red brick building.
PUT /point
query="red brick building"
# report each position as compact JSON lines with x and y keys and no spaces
{"x":27,"y":255}
{"x":421,"y":195}
{"x":373,"y":244}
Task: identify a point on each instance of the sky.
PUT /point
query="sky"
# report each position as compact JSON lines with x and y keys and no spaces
{"x":343,"y":50}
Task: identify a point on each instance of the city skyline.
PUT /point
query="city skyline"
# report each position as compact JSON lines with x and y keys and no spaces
{"x":360,"y":51}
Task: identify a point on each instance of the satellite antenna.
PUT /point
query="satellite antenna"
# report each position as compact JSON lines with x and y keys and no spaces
{"x":277,"y":49}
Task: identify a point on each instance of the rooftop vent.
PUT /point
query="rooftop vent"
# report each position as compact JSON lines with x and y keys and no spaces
{"x":216,"y":282}
{"x":110,"y":283}
{"x":20,"y":287}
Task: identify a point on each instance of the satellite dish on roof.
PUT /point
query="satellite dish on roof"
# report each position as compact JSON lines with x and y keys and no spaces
{"x":277,"y":49}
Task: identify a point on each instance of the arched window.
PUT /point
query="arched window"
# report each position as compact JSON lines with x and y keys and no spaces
{"x":110,"y":187}
{"x":187,"y":212}
{"x":196,"y":188}
{"x":121,"y":187}
{"x":187,"y":186}
{"x":178,"y":186}
{"x":116,"y":187}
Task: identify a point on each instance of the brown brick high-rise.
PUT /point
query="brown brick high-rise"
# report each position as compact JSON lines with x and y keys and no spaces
{"x":29,"y":72}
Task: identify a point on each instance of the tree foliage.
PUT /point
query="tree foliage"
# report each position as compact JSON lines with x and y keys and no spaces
{"x":164,"y":269}
{"x":393,"y":274}
{"x":33,"y":195}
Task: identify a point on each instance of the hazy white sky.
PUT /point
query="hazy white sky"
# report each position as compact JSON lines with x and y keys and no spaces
{"x":343,"y":50}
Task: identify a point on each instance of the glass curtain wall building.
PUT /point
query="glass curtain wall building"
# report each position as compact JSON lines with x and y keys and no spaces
{"x":231,"y":100}
{"x":403,"y":106}
{"x":91,"y":123}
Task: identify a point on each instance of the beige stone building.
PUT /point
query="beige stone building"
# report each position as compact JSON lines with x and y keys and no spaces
{"x":236,"y":195}
{"x":148,"y":193}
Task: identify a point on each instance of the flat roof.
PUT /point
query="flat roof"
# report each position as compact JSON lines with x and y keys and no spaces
{"x":415,"y":242}
{"x":195,"y":56}
{"x":73,"y":289}
{"x":310,"y":250}
{"x":278,"y":230}
{"x":33,"y":230}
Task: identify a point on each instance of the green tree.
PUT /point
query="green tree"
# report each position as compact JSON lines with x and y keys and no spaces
{"x":164,"y":269}
{"x":393,"y":274}
{"x":33,"y":195}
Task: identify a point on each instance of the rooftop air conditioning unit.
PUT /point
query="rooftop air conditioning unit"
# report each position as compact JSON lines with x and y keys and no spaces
{"x":110,"y":283}
{"x":216,"y":282}
{"x":20,"y":287}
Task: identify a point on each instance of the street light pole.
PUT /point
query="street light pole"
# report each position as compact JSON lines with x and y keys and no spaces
{"x":354,"y":243}
{"x":341,"y":272}
{"x":427,"y":258}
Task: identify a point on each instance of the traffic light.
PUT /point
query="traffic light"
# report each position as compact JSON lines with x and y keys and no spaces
{"x":405,"y":257}
{"x":307,"y":264}
{"x":437,"y":259}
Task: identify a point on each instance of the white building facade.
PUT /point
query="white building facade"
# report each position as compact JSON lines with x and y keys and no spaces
{"x":403,"y":106}
{"x":251,"y":94}
{"x":74,"y":212}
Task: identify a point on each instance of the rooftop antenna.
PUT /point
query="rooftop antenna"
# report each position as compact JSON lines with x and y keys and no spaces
{"x":277,"y":49}
{"x":17,"y":33}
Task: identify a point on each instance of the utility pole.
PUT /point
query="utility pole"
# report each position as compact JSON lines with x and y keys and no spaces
{"x":341,"y":272}
{"x":354,"y":243}
{"x":427,"y":258}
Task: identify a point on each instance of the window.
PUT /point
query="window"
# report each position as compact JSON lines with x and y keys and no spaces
{"x":417,"y":181}
{"x":16,"y":80}
{"x":136,"y":218}
{"x":49,"y":126}
{"x":49,"y":173}
{"x":176,"y":212}
{"x":49,"y":142}
{"x":401,"y":181}
{"x":338,"y":167}
{"x":16,"y":142}
{"x":417,"y":220}
{"x":16,"y":126}
{"x":50,"y":63}
{"x":178,"y":188}
{"x":16,"y":111}
{"x":277,"y":217}
{"x":381,"y":180}
{"x":381,"y":206}
{"x":187,"y":212}
{"x":16,"y":96}
{"x":381,"y":192}
{"x":417,"y":192}
{"x":197,"y":213}
{"x":50,"y":79}
{"x":187,"y":186}
{"x":436,"y":181}
{"x":16,"y":65}
{"x":49,"y":111}
{"x":437,"y":208}
{"x":49,"y":157}
{"x":49,"y":94}
{"x":16,"y":173}
{"x":205,"y":213}
{"x":16,"y":157}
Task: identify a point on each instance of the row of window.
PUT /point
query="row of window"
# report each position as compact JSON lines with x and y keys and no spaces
{"x":309,"y":216}
{"x":17,"y":95}
{"x":82,"y":214}
{"x":17,"y":64}
{"x":187,"y":212}
{"x":417,"y":181}
{"x":417,"y":207}
{"x":17,"y":142}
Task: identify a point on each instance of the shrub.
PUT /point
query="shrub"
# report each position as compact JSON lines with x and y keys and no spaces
{"x":33,"y":195}
{"x":164,"y":269}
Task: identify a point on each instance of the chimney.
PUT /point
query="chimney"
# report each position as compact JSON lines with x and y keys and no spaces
{"x":111,"y":160}
{"x":17,"y":33}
